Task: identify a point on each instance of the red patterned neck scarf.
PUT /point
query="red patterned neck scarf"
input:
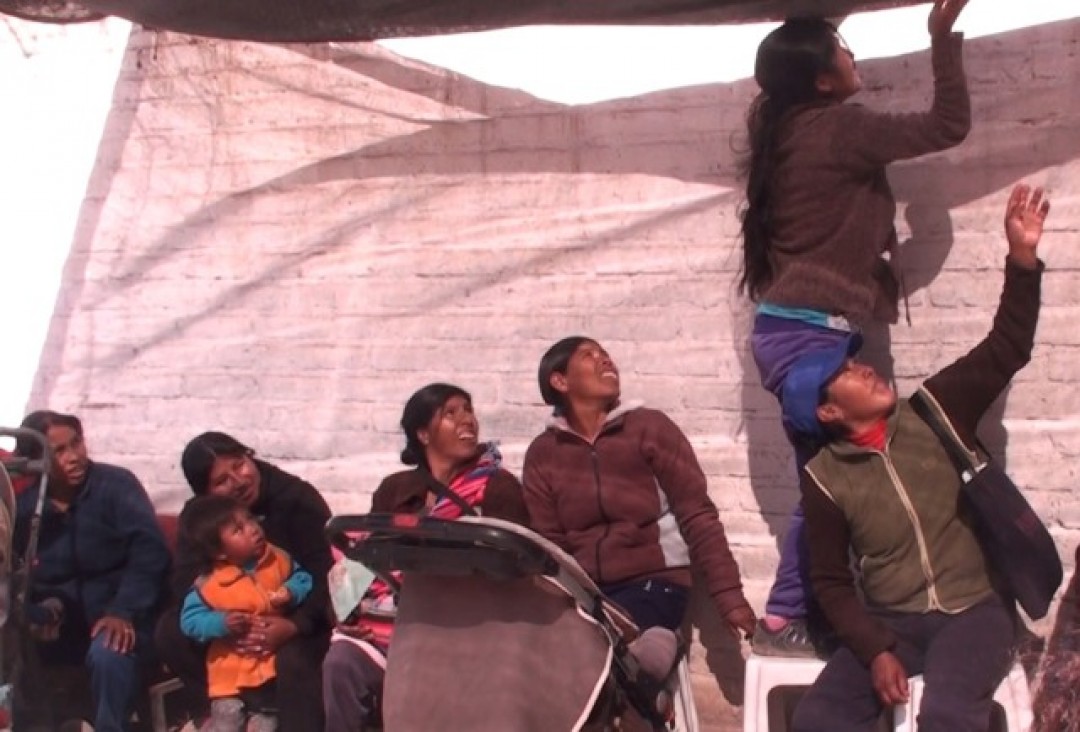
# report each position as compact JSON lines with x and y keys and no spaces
{"x":469,"y":484}
{"x":872,"y":437}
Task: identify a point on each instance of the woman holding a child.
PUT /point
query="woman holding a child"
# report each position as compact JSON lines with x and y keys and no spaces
{"x":292,"y":515}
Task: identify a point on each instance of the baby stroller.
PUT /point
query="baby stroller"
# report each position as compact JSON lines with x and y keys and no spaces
{"x":497,"y":628}
{"x":14,"y":577}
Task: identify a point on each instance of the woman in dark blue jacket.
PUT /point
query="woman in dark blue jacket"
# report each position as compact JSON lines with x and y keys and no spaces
{"x":100,"y":568}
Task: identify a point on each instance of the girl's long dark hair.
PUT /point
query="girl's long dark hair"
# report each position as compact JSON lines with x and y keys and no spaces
{"x":787,"y":67}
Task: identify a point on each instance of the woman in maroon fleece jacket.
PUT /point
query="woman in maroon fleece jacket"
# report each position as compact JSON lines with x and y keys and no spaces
{"x":620,"y":489}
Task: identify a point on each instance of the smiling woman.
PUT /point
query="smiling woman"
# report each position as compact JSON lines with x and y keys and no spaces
{"x":441,"y":431}
{"x":442,"y":439}
{"x":455,"y":475}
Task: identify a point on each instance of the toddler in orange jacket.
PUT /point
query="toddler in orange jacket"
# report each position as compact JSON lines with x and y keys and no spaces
{"x":246,"y":577}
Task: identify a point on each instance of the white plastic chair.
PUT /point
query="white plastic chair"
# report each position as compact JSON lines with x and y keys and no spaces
{"x":157,"y":693}
{"x":686,"y":719}
{"x":765,"y":673}
{"x":1012,"y":694}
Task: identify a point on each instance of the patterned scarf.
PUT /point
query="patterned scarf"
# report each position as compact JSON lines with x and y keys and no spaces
{"x":469,"y":485}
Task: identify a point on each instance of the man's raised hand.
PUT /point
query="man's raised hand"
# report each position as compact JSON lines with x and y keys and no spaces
{"x":1025,"y":214}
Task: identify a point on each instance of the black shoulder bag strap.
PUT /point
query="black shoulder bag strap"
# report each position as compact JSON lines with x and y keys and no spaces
{"x":958,"y":452}
{"x":442,"y":491}
{"x":1013,"y":537}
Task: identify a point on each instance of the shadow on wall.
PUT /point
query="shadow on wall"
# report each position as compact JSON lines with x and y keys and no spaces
{"x":348,"y":257}
{"x":471,"y":146}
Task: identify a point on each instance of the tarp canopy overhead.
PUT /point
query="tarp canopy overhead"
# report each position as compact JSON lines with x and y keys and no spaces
{"x":359,"y":20}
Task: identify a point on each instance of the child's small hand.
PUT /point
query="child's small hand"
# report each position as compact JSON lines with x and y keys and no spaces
{"x":237,"y":623}
{"x":280,"y":597}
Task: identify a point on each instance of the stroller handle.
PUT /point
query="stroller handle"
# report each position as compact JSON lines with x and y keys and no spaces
{"x":19,"y":464}
{"x":406,"y":542}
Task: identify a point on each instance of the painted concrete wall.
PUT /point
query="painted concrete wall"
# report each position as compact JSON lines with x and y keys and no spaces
{"x":285,"y":241}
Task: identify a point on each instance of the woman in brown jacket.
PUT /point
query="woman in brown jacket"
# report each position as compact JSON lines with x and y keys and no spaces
{"x":619,"y":488}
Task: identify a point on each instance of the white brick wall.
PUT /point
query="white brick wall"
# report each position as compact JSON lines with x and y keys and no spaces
{"x":285,"y":241}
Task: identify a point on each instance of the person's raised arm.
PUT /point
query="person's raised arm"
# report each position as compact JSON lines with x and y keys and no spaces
{"x":1025,"y":218}
{"x":872,"y":139}
{"x":966,"y":389}
{"x":943,"y":17}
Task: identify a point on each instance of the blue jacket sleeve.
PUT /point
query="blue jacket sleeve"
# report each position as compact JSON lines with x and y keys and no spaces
{"x":299,"y":584}
{"x":144,"y":575}
{"x":198,"y":621}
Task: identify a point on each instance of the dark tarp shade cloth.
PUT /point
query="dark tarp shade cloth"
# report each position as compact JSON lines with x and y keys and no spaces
{"x":359,"y":20}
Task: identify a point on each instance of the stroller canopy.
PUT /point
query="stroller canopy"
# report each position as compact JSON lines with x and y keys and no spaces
{"x":362,"y":20}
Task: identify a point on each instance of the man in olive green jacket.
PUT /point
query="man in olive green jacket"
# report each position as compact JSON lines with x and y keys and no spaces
{"x":883,"y":487}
